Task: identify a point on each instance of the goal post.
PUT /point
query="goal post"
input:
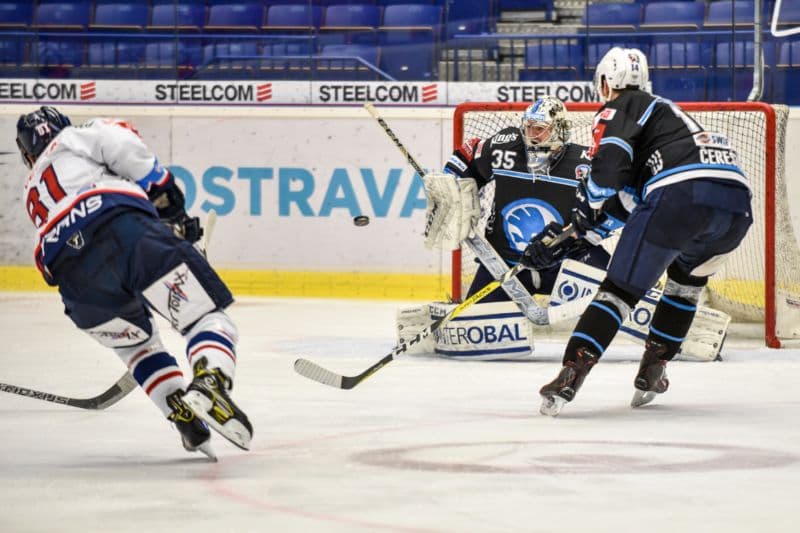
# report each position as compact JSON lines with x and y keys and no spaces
{"x":760,"y":282}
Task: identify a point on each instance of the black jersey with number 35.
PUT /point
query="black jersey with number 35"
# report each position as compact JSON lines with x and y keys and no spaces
{"x":523,"y":203}
{"x":641,"y":142}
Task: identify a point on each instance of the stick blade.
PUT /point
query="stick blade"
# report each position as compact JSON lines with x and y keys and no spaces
{"x":313,"y":371}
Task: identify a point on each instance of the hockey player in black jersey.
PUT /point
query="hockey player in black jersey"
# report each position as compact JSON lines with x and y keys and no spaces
{"x":535,"y":170}
{"x":689,"y":205}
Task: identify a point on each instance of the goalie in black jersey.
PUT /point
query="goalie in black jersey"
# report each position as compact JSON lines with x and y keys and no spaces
{"x":689,"y":205}
{"x":535,"y":170}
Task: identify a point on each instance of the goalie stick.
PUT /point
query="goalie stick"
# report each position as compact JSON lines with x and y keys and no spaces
{"x":315,"y":372}
{"x":123,"y":385}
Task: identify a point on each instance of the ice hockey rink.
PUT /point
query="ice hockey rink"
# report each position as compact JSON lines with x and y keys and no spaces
{"x":424,"y":445}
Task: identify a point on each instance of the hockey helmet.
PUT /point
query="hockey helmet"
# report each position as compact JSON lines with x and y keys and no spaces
{"x":35,"y":131}
{"x":545,"y":130}
{"x":622,"y":68}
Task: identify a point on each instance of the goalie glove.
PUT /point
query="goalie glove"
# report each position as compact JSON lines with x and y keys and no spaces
{"x":453,"y":210}
{"x":539,"y":255}
{"x":170,"y":204}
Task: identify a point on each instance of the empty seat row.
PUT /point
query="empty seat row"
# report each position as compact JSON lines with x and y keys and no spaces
{"x":681,"y":14}
{"x":242,"y":17}
{"x":123,"y":58}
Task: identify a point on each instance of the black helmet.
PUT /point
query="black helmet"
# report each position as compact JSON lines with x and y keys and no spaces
{"x":36,"y":130}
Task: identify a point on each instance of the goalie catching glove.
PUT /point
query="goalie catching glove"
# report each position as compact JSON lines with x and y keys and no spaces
{"x":170,"y":203}
{"x":453,"y":209}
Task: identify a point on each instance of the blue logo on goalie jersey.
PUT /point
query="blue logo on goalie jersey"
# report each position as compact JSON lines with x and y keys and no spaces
{"x":525,"y":218}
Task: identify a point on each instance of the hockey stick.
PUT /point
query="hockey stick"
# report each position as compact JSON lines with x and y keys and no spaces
{"x":115,"y":393}
{"x":313,"y":371}
{"x":123,"y":385}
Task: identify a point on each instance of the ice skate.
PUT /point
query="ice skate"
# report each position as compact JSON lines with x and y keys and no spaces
{"x":562,"y":389}
{"x":195,"y":434}
{"x":652,"y":376}
{"x":209,"y":399}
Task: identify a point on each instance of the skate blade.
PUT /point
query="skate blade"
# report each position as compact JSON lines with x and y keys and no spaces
{"x":552,"y":406}
{"x":208,"y":451}
{"x":233,"y":430}
{"x":641,"y":398}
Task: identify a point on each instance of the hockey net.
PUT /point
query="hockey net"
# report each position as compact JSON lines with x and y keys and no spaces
{"x":760,"y":282}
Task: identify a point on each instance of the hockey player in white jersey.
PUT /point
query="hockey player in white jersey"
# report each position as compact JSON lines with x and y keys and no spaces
{"x":99,"y":200}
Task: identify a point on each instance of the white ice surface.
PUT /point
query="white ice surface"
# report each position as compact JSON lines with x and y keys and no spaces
{"x":423,"y":445}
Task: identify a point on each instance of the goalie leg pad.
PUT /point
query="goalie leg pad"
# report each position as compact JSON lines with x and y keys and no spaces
{"x":411,"y":321}
{"x":484,"y":332}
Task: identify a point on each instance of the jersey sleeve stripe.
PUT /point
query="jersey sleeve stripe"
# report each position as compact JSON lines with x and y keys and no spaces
{"x":158,"y":176}
{"x":619,"y":142}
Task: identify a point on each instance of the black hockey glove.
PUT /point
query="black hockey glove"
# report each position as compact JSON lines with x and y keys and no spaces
{"x":170,"y":203}
{"x":539,"y":255}
{"x":588,"y":222}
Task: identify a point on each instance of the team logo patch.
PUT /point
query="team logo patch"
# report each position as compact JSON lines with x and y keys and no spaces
{"x":606,"y":114}
{"x":505,"y":138}
{"x":525,"y":218}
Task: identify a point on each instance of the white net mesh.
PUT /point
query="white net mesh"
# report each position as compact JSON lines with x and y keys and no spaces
{"x":765,"y":259}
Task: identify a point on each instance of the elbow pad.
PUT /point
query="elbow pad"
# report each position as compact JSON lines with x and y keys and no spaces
{"x":168,"y":199}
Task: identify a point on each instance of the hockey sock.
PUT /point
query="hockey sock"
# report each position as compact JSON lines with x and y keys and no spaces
{"x":600,"y":322}
{"x":214,"y":337}
{"x":675,"y":310}
{"x":155,"y":370}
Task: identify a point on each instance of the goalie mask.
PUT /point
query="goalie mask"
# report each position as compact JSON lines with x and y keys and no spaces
{"x":622,"y":68}
{"x":545,"y":130}
{"x":35,"y":131}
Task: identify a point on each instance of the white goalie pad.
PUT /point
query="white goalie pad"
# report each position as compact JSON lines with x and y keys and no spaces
{"x":453,"y":209}
{"x":577,"y":284}
{"x":179,"y":297}
{"x":484,"y":332}
{"x":496,"y":331}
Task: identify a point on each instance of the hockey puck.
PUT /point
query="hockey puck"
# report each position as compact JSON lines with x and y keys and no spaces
{"x":361,"y":220}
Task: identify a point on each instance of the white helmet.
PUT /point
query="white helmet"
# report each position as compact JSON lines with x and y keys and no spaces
{"x":545,"y":130}
{"x":622,"y":68}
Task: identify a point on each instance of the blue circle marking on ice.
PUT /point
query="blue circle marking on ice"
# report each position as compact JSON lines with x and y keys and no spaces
{"x":525,"y":218}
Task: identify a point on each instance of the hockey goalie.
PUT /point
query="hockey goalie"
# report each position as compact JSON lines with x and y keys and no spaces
{"x":535,"y":171}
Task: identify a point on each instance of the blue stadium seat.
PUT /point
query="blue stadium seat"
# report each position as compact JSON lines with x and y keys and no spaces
{"x":12,"y":51}
{"x":241,"y":17}
{"x":408,"y":61}
{"x":677,"y":70}
{"x":288,"y":47}
{"x":168,"y":58}
{"x":110,"y":54}
{"x":350,"y":24}
{"x":233,"y":54}
{"x":553,"y":61}
{"x":290,"y":17}
{"x":789,"y":14}
{"x":120,"y":16}
{"x":731,"y":77}
{"x":16,"y":15}
{"x":183,"y":16}
{"x":722,"y":13}
{"x":329,"y":3}
{"x":469,"y":17}
{"x":787,"y":74}
{"x":352,"y":16}
{"x":673,"y":15}
{"x":528,"y":5}
{"x":407,"y":24}
{"x":59,"y":52}
{"x":63,"y":16}
{"x":616,"y":16}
